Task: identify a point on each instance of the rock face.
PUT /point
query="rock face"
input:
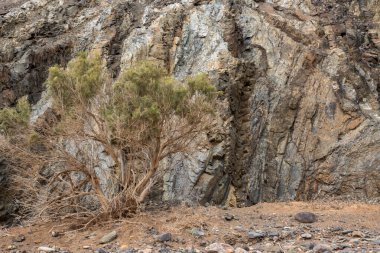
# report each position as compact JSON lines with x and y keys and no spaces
{"x":301,"y":83}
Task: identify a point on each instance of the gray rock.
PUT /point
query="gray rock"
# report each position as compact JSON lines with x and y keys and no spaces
{"x":305,"y":217}
{"x":166,"y":237}
{"x":197,"y":232}
{"x":108,"y":237}
{"x":272,"y":234}
{"x":256,"y":234}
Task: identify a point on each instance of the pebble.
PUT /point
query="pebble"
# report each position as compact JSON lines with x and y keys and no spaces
{"x":228,"y":217}
{"x":46,"y":249}
{"x":306,"y":236}
{"x":100,"y":251}
{"x":86,"y":247}
{"x":345,"y":232}
{"x":273,"y":234}
{"x":197,"y":232}
{"x":255,"y":234}
{"x":11,"y":247}
{"x":358,"y":234}
{"x":240,"y":250}
{"x":166,"y":237}
{"x":54,"y":233}
{"x":108,"y":237}
{"x":240,"y":228}
{"x":219,"y":248}
{"x":305,"y":217}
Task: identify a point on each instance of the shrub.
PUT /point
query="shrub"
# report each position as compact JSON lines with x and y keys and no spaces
{"x":142,"y":118}
{"x":12,"y":119}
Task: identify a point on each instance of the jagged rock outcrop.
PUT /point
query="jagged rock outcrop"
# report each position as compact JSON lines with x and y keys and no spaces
{"x":301,"y":83}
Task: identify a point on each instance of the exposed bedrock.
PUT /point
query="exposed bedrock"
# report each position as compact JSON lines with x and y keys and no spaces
{"x":300,"y":80}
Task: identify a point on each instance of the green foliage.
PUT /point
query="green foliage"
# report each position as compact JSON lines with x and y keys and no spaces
{"x":146,"y":94}
{"x":200,"y":83}
{"x":11,"y":119}
{"x":78,"y":83}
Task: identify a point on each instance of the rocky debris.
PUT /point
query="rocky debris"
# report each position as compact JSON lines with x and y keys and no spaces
{"x":108,"y":237}
{"x":219,"y":248}
{"x":166,"y":237}
{"x":305,"y":217}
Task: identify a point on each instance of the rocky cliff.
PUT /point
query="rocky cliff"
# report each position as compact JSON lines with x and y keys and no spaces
{"x":301,"y":83}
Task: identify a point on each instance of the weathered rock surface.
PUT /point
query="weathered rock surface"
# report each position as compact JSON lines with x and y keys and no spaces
{"x":301,"y":85}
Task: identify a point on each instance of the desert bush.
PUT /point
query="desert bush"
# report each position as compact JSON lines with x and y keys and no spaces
{"x":138,"y":120}
{"x":12,"y":119}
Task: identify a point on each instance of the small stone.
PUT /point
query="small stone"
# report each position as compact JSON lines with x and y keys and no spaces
{"x":86,"y":247}
{"x":203,"y":244}
{"x":309,"y":246}
{"x":55,"y":233}
{"x":240,"y":250}
{"x":358,"y":234}
{"x":306,"y":236}
{"x":46,"y":249}
{"x":228,"y":217}
{"x":256,"y":235}
{"x":145,"y":251}
{"x":19,"y":238}
{"x":152,"y":231}
{"x":128,"y":250}
{"x":219,"y":248}
{"x":11,"y":247}
{"x":124,"y":247}
{"x":197,"y":232}
{"x":108,"y":237}
{"x":240,"y":228}
{"x":322,"y":248}
{"x":164,"y":237}
{"x":273,"y":234}
{"x":305,"y":217}
{"x":345,"y":232}
{"x":100,"y":251}
{"x":336,"y":229}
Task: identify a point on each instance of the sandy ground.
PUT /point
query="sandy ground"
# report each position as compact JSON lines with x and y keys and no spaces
{"x":333,"y":219}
